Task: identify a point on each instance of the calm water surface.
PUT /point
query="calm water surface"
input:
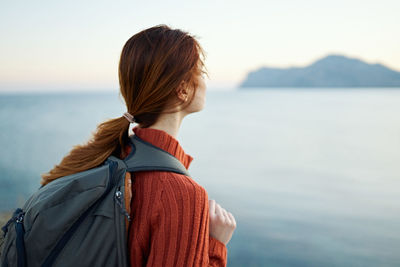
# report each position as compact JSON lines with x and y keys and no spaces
{"x":312,"y":175}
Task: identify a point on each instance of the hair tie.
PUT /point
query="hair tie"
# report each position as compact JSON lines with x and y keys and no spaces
{"x":129,"y":117}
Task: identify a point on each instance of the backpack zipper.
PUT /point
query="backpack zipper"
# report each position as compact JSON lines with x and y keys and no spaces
{"x":18,"y":217}
{"x":118,"y":198}
{"x":120,"y":227}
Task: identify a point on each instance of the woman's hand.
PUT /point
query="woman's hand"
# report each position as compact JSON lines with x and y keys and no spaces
{"x":222,"y":223}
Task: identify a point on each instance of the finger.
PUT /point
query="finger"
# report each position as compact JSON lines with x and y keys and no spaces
{"x":211,"y":203}
{"x":232,"y":218}
{"x":227,"y":218}
{"x":218,"y":210}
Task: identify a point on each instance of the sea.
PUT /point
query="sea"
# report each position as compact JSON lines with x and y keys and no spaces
{"x":312,"y":175}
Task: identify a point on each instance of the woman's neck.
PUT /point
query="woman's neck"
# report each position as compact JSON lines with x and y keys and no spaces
{"x":170,"y":123}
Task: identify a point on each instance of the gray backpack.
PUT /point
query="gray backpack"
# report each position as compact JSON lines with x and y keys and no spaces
{"x":80,"y":219}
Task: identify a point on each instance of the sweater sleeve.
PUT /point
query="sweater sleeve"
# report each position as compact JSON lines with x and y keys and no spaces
{"x":217,"y":252}
{"x":180,"y":228}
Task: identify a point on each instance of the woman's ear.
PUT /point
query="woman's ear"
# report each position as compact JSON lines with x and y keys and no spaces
{"x":182,"y":91}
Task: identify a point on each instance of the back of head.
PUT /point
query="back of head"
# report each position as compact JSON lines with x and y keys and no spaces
{"x":153,"y":64}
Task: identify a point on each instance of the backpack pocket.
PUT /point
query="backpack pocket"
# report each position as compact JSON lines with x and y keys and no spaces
{"x":9,"y":255}
{"x":105,"y":213}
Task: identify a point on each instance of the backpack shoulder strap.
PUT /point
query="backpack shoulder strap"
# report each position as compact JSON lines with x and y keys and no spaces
{"x":145,"y":157}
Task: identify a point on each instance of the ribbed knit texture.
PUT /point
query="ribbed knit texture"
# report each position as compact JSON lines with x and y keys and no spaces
{"x":170,"y":212}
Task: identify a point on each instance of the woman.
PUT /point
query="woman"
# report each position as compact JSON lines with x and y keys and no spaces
{"x":161,"y":80}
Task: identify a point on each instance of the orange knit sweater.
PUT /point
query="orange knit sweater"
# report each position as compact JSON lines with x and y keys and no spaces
{"x":170,"y":214}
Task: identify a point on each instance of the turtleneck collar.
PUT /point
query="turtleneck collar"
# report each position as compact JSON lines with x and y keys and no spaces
{"x":163,"y":140}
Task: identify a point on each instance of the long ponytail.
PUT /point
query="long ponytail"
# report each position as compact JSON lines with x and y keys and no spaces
{"x":111,"y":135}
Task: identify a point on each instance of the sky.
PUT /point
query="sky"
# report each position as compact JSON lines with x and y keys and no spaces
{"x":74,"y":45}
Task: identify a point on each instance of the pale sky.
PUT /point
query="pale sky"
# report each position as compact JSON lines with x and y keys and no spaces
{"x":69,"y":45}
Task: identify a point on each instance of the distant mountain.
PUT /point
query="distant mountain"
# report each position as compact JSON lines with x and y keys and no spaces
{"x":330,"y":71}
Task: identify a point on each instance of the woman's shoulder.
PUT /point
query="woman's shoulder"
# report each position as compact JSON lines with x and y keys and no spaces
{"x":171,"y":183}
{"x":180,"y":180}
{"x":170,"y":179}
